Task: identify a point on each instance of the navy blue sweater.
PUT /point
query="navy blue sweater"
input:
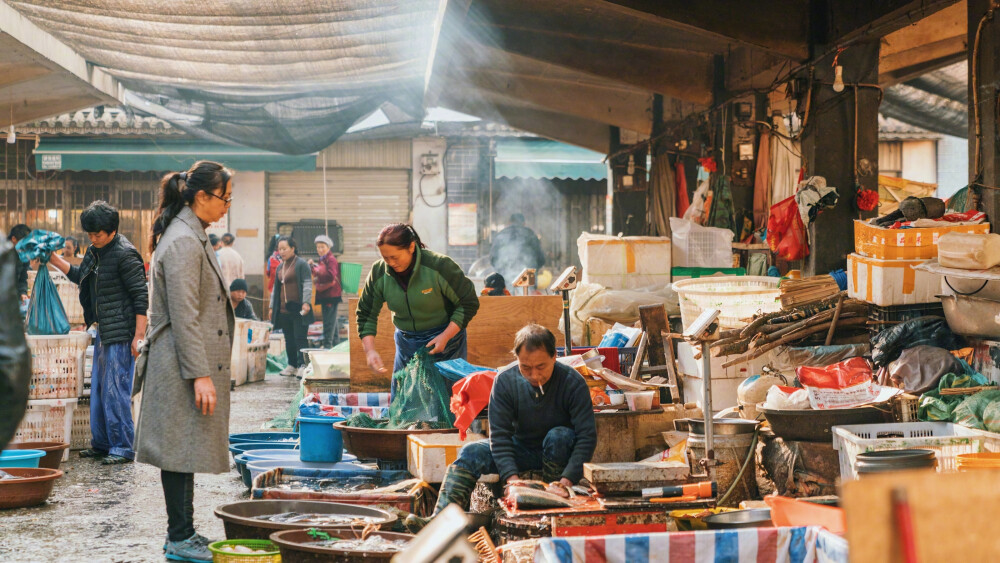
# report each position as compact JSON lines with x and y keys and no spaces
{"x":518,"y":409}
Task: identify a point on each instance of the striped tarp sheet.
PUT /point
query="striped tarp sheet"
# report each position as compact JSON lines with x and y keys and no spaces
{"x":749,"y":545}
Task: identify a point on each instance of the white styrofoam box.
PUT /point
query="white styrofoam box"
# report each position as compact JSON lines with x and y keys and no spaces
{"x":428,"y":456}
{"x":624,"y":262}
{"x":277,"y":344}
{"x":723,"y":392}
{"x":47,"y":420}
{"x":946,"y":439}
{"x":330,"y":365}
{"x":890,"y":282}
{"x":690,"y":366}
{"x":257,"y":362}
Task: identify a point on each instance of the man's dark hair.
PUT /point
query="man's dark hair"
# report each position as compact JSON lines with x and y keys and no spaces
{"x":213,"y":240}
{"x":228,"y":239}
{"x":18,"y":232}
{"x":535,"y":337}
{"x":99,"y":216}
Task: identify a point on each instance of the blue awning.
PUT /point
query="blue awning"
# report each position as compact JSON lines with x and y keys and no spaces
{"x":544,"y":159}
{"x":106,"y":155}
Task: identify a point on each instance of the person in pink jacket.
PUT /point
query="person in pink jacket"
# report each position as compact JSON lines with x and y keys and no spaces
{"x":326,"y":276}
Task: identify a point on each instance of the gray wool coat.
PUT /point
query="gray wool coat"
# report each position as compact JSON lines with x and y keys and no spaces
{"x":188,"y":299}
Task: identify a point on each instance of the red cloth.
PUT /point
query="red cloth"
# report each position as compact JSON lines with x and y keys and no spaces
{"x":272,"y":268}
{"x":681,"y":185}
{"x":469,"y":396}
{"x":326,"y":274}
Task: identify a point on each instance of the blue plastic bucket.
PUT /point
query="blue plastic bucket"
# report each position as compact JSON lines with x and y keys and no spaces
{"x":319,"y":440}
{"x":278,"y":437}
{"x":25,"y":458}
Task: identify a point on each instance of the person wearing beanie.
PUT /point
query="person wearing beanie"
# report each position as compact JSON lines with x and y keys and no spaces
{"x":495,"y":286}
{"x":242,"y":307}
{"x":326,"y":271}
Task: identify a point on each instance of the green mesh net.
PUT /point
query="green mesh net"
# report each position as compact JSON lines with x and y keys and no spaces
{"x":421,"y":402}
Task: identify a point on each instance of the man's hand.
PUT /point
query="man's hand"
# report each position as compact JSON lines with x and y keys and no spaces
{"x":204,"y":395}
{"x":566,"y":482}
{"x":136,"y":342}
{"x":305,"y":309}
{"x":439,"y":343}
{"x":311,"y":263}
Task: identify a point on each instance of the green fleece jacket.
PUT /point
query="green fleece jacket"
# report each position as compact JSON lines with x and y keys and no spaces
{"x":438,"y":292}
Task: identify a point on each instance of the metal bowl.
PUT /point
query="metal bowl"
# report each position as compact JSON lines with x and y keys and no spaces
{"x":808,"y":425}
{"x":722,"y":426}
{"x":751,"y":518}
{"x":972,"y":316}
{"x":240,"y":522}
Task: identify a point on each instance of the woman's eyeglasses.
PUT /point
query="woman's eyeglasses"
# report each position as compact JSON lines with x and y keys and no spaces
{"x":226,"y":200}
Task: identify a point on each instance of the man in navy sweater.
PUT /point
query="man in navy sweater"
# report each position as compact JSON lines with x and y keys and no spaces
{"x":541,"y":418}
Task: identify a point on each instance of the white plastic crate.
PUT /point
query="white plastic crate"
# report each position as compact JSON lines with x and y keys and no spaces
{"x":946,"y":439}
{"x":428,"y":456}
{"x":80,"y":431}
{"x":57,"y":365}
{"x":47,"y":420}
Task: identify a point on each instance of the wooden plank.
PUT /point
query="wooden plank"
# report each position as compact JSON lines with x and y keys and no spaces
{"x":490,"y":334}
{"x":945,"y":524}
{"x":654,"y":322}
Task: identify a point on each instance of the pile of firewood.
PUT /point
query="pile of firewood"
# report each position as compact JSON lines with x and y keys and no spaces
{"x":788,"y":326}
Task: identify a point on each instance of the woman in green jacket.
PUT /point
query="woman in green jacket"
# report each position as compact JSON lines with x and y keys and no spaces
{"x":431,"y":300}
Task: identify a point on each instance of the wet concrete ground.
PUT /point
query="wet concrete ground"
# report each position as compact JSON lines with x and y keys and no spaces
{"x":115,"y":513}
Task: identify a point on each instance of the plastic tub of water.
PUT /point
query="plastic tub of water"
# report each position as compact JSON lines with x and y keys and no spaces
{"x":260,"y":466}
{"x":21,"y":458}
{"x":736,"y":297}
{"x":617,"y":397}
{"x":278,"y":437}
{"x":320,"y":441}
{"x":237,"y":449}
{"x":260,"y":455}
{"x":639,"y":400}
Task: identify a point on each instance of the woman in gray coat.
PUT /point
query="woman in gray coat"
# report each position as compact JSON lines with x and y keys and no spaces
{"x":184,"y":418}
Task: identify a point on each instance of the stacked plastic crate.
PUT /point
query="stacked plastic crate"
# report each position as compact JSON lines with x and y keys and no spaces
{"x":57,"y":381}
{"x":80,"y":436}
{"x":882,"y":271}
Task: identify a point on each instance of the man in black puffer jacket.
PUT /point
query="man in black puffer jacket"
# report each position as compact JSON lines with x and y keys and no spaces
{"x":113,"y":292}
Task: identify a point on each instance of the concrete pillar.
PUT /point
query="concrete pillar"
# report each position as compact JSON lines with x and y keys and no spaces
{"x":430,"y":214}
{"x":987,"y":68}
{"x":828,"y":149}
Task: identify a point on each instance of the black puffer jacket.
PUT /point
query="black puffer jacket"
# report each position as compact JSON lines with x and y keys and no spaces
{"x":15,"y":359}
{"x":121,"y":290}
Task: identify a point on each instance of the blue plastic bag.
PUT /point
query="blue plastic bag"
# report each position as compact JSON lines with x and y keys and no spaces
{"x":46,"y":315}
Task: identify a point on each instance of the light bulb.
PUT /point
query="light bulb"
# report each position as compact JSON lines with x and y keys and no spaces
{"x":11,"y":136}
{"x":631,"y":164}
{"x":838,"y":80}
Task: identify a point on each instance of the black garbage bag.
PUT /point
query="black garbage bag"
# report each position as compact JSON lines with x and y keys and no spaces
{"x":15,"y":359}
{"x":922,"y":331}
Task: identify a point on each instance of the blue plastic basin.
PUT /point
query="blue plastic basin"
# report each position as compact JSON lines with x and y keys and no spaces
{"x":320,"y":441}
{"x":279,"y":437}
{"x":237,"y":449}
{"x":261,"y":455}
{"x":241,"y":468}
{"x":258,"y":467}
{"x":21,"y":458}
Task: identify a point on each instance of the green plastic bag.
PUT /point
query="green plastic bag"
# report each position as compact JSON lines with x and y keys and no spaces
{"x":422,"y":399}
{"x":935,"y":407}
{"x":971,"y":412}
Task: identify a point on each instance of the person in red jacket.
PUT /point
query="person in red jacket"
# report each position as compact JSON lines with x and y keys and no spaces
{"x":326,"y":276}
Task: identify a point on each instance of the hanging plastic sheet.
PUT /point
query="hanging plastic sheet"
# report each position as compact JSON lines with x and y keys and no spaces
{"x":15,"y":358}
{"x":786,"y":234}
{"x":46,"y":314}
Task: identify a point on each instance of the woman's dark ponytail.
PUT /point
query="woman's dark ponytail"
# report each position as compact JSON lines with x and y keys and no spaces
{"x":399,"y":235}
{"x":177,"y":189}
